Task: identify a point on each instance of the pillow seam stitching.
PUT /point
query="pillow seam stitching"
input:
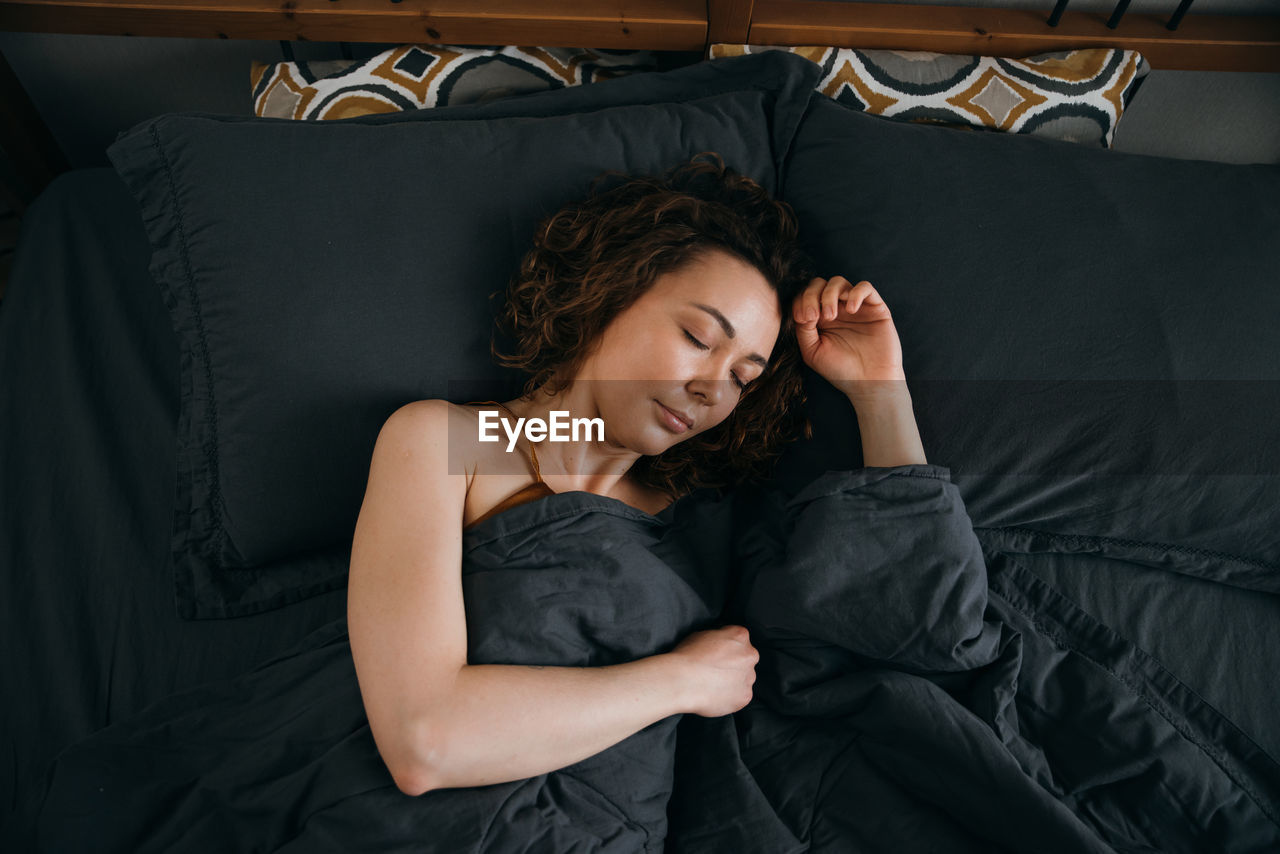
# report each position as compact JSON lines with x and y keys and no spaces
{"x":210,"y":447}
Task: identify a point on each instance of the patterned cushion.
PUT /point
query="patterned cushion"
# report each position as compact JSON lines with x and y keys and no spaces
{"x":1072,"y":95}
{"x":410,"y":77}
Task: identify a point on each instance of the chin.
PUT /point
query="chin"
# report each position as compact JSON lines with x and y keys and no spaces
{"x":661,"y":444}
{"x":658,"y":440}
{"x":649,"y":442}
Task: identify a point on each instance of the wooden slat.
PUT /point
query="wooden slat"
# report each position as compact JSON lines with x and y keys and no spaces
{"x":1205,"y":42}
{"x":612,"y":24}
{"x":728,"y":21}
{"x":1201,"y":42}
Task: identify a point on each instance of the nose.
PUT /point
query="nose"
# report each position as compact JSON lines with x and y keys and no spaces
{"x":707,"y":390}
{"x":710,"y":382}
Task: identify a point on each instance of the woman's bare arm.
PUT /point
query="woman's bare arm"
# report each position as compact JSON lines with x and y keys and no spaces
{"x":846,"y":334}
{"x":437,"y":721}
{"x":508,"y":722}
{"x":887,"y":424}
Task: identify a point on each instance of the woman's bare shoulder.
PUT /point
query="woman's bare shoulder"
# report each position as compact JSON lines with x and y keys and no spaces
{"x":442,"y":423}
{"x":432,"y":408}
{"x":437,"y":414}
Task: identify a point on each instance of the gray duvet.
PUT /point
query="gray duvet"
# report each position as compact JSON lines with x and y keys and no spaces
{"x":918,"y":690}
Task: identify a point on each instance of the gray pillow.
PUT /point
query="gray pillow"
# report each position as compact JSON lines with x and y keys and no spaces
{"x":321,"y":274}
{"x":1089,"y":337}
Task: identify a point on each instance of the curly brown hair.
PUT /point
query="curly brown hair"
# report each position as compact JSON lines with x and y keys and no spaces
{"x":594,"y":258}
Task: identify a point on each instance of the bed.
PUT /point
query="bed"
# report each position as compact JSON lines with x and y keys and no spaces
{"x":1061,"y":634}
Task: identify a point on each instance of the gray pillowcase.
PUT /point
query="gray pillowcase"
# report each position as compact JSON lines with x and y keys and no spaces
{"x":1089,"y":336}
{"x":321,"y":274}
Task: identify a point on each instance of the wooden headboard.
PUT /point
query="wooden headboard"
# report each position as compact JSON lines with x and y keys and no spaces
{"x":1173,"y":41}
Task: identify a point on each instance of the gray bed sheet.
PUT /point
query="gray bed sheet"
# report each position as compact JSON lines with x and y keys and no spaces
{"x":88,"y":409}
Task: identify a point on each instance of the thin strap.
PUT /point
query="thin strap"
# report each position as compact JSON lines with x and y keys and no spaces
{"x":533,"y":454}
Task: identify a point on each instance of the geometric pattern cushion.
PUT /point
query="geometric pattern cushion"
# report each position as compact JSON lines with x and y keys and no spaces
{"x":1072,"y":95}
{"x":414,"y":76}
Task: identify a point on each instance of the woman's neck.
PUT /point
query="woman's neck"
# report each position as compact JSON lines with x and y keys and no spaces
{"x":588,"y":464}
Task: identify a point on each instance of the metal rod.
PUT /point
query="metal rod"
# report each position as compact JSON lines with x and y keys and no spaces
{"x":1177,"y":15}
{"x":1118,"y":13}
{"x":1056,"y":14}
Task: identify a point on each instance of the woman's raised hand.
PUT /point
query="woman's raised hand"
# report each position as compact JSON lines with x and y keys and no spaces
{"x":847,"y":335}
{"x":719,"y":669}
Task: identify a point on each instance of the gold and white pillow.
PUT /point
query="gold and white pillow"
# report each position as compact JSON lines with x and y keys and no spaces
{"x":416,"y":76}
{"x":1073,"y":95}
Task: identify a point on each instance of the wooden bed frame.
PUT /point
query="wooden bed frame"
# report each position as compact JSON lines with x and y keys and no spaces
{"x":1203,"y":42}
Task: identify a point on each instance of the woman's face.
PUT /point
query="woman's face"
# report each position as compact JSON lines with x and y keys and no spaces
{"x":683,"y":348}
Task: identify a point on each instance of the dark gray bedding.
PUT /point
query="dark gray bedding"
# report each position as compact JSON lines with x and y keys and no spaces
{"x":902,"y":704}
{"x":88,"y":401}
{"x":1115,"y":698}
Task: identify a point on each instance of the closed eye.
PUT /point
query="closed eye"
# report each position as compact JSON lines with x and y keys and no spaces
{"x":696,"y":342}
{"x":739,"y":383}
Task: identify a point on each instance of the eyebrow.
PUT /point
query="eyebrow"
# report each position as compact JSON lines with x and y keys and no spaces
{"x":729,"y":330}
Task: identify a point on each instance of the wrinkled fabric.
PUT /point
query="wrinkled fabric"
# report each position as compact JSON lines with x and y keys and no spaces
{"x":919,"y":691}
{"x":915,"y":692}
{"x":282,"y":759}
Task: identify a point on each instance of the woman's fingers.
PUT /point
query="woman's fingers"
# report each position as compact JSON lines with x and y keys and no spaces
{"x":872,"y":294}
{"x":864,"y":293}
{"x":806,"y":302}
{"x":835,"y":289}
{"x":821,"y":298}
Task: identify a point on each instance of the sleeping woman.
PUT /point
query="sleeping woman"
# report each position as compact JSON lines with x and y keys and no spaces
{"x":677,"y":311}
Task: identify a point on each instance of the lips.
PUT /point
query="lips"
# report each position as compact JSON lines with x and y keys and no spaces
{"x":680,"y":417}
